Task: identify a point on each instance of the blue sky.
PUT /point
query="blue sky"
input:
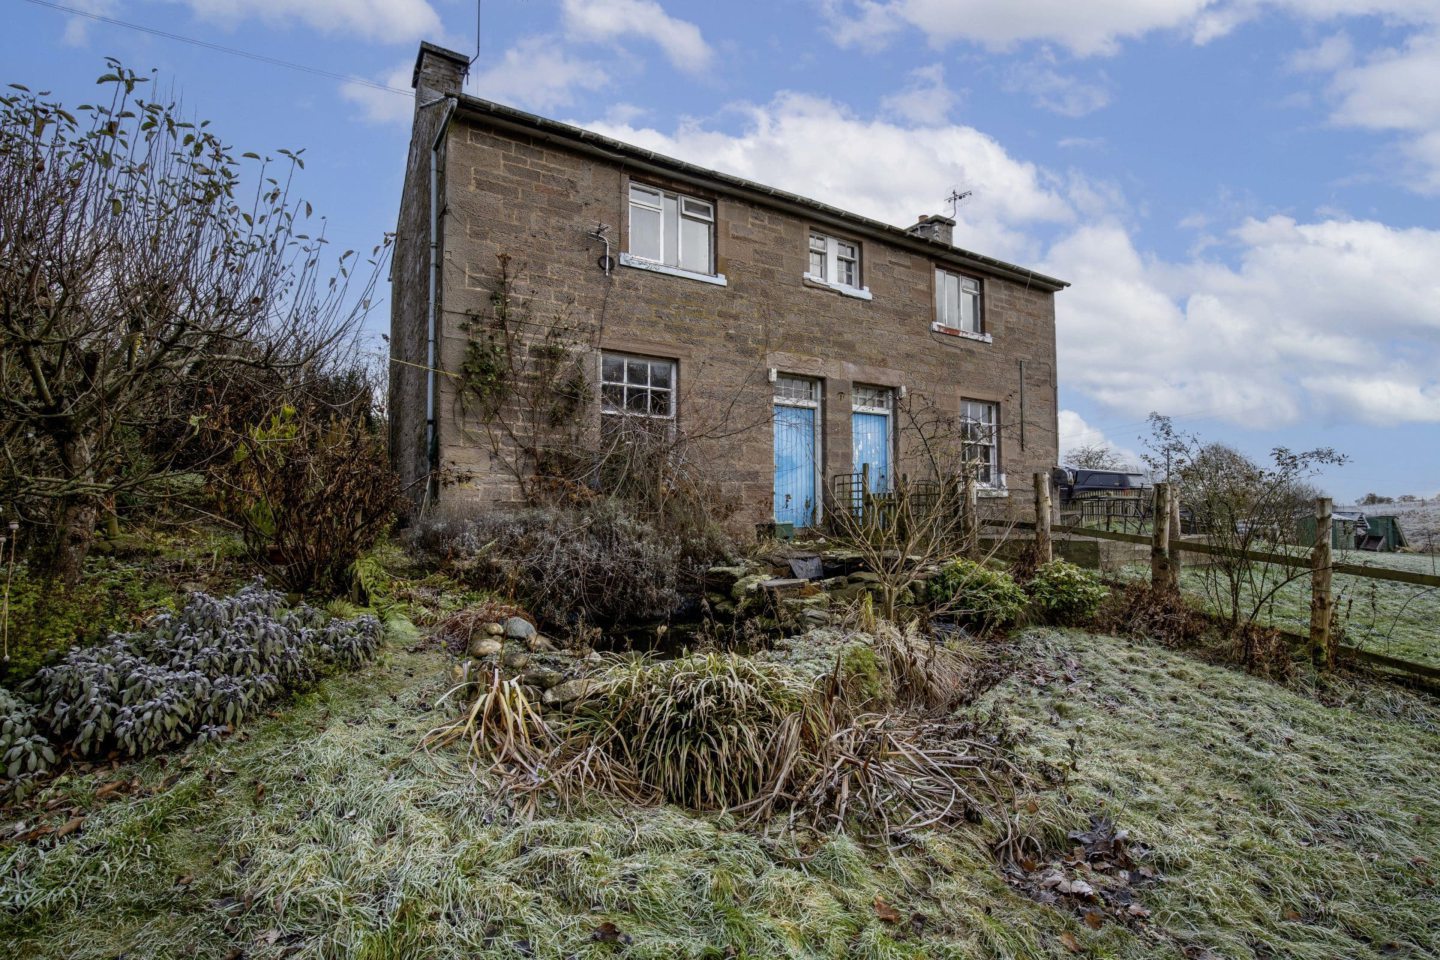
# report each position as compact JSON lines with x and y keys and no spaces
{"x":1244,"y":193}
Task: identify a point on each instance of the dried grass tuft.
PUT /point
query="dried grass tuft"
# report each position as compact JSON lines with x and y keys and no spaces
{"x":725,"y":732}
{"x":501,"y":725}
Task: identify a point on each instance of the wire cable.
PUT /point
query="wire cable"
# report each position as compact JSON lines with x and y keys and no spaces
{"x":221,"y":48}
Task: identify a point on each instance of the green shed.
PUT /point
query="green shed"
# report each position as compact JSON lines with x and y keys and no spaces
{"x":1344,"y":527}
{"x":1383,"y":534}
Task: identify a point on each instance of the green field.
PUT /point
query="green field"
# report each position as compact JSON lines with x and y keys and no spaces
{"x":1396,"y":619}
{"x":1273,"y":825}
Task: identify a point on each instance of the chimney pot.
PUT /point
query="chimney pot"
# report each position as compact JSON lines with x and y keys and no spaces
{"x":935,"y":227}
{"x":439,"y":72}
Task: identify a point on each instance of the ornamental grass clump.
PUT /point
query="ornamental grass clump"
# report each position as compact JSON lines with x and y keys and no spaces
{"x":725,"y":732}
{"x":711,"y":731}
{"x":1066,"y":595}
{"x":196,"y":673}
{"x":979,"y":597}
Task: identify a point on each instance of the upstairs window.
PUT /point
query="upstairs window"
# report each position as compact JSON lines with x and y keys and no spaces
{"x":834,"y":261}
{"x":979,"y":434}
{"x":672,"y":229}
{"x":957,"y":303}
{"x":637,"y":386}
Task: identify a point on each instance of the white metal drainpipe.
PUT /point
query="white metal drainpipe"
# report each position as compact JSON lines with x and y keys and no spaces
{"x":432,"y":445}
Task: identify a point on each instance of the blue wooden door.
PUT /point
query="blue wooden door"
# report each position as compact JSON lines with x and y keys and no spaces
{"x":794,"y":465}
{"x":870,"y":439}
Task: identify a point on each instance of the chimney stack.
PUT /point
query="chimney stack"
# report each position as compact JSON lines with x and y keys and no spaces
{"x":935,"y":227}
{"x":439,"y":72}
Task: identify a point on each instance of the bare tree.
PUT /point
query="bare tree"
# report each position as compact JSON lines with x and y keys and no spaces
{"x":1095,"y":456}
{"x":1247,"y":510}
{"x":131,"y":273}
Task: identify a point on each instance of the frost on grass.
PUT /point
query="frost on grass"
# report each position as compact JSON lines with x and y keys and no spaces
{"x":1280,"y":827}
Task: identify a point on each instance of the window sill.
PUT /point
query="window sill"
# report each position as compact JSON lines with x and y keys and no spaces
{"x":626,"y":260}
{"x":992,"y":493}
{"x":859,"y":293}
{"x":961,"y":334}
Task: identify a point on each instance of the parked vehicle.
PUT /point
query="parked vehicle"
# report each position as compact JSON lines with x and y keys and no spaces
{"x":1072,"y":483}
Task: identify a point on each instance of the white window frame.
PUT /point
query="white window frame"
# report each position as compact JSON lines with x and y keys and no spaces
{"x":979,"y":431}
{"x":954,"y":326}
{"x":829,"y":249}
{"x":686,"y":208}
{"x":606,"y":409}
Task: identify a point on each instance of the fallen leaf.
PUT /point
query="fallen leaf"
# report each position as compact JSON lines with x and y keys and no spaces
{"x":1094,"y":920}
{"x":884,"y":911}
{"x":1292,"y":915}
{"x":1068,"y":939}
{"x":607,"y":932}
{"x":108,"y":788}
{"x":70,"y":827}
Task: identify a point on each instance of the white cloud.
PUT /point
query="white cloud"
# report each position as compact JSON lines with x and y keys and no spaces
{"x":77,"y":29}
{"x":926,"y":99}
{"x":390,"y":21}
{"x":1085,"y":29}
{"x":817,"y":148}
{"x":1076,"y":433}
{"x":1311,"y":317}
{"x":1052,"y":90}
{"x":1330,"y":54}
{"x":383,"y":106}
{"x":538,"y":74}
{"x":610,"y":20}
{"x":1394,"y":90}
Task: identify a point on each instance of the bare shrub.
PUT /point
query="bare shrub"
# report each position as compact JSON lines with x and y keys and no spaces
{"x":132,"y":271}
{"x":594,"y":563}
{"x":309,"y":495}
{"x":928,"y":511}
{"x":1137,"y":609}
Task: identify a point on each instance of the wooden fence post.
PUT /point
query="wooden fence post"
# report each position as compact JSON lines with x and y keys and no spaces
{"x":1322,"y":602}
{"x":1044,"y":550}
{"x":971,"y":519}
{"x":1177,"y":533}
{"x":1160,"y":539}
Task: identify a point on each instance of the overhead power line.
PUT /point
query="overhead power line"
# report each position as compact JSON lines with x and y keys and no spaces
{"x":221,"y":48}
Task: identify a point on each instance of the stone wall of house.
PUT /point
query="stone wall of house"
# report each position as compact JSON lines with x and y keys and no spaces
{"x":539,"y":201}
{"x":436,"y":77}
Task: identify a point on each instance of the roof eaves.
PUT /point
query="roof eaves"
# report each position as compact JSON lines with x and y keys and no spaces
{"x":505,"y":115}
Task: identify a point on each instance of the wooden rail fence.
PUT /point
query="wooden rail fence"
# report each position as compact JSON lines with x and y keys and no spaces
{"x":1167,"y":546}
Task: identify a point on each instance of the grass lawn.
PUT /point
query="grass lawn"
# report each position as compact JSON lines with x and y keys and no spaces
{"x":1278,"y":827}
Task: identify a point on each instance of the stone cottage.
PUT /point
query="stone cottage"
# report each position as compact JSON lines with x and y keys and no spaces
{"x":804,"y":347}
